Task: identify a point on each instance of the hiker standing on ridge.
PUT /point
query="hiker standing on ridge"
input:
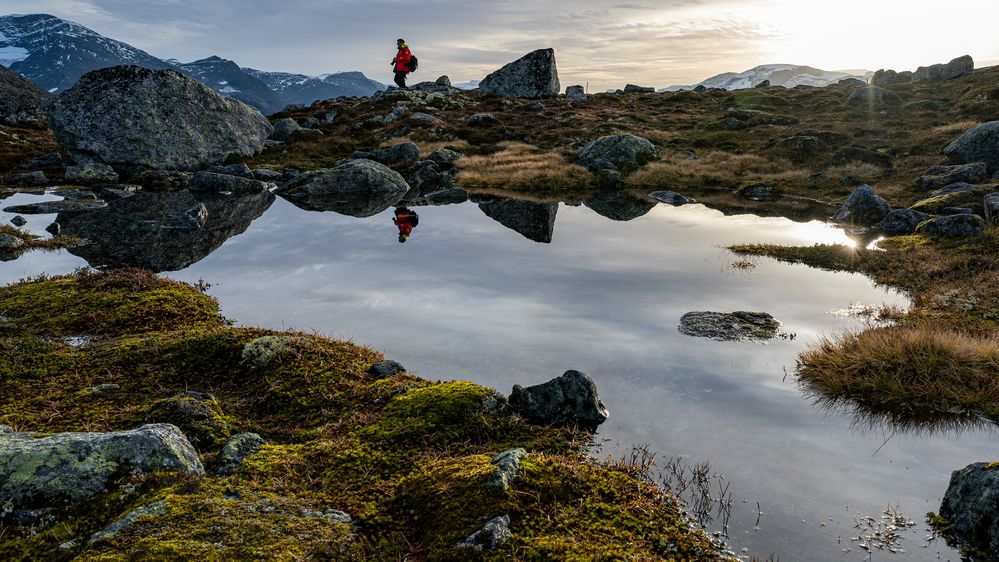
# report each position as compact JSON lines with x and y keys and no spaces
{"x":402,"y":63}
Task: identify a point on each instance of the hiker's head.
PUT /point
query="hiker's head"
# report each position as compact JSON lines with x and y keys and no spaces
{"x":400,"y":42}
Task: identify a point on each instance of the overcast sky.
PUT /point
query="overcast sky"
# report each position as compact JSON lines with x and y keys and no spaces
{"x":606,"y":44}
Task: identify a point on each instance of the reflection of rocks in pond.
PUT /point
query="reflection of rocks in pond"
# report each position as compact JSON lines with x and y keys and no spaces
{"x":161,"y":231}
{"x":64,"y":206}
{"x":730,"y":326}
{"x":619,"y":207}
{"x":359,"y":188}
{"x":535,"y":221}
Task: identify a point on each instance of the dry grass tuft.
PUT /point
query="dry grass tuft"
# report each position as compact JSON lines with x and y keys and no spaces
{"x":954,"y":128}
{"x":716,"y":169}
{"x":518,"y":166}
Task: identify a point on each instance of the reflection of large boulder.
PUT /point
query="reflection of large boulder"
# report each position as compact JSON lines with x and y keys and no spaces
{"x":161,"y":231}
{"x":359,"y":188}
{"x":134,"y":118}
{"x":536,"y":221}
{"x":619,"y":207}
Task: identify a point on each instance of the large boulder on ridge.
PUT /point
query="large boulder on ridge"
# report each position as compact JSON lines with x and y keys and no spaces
{"x":953,"y":69}
{"x":133,"y":118}
{"x":971,"y":505}
{"x":978,"y":144}
{"x":532,"y":76}
{"x":358,"y":188}
{"x":40,"y":473}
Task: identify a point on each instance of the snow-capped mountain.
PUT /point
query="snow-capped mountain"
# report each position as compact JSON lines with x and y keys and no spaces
{"x":470,"y":85}
{"x":55,"y":53}
{"x":787,"y":75}
{"x":226,"y":77}
{"x":299,"y":88}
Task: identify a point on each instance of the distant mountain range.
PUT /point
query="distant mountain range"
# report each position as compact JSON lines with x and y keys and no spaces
{"x":787,"y":75}
{"x":55,"y":53}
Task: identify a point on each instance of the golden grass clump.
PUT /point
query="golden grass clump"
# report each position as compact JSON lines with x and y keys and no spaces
{"x":904,"y":366}
{"x":716,"y":169}
{"x":519,"y":166}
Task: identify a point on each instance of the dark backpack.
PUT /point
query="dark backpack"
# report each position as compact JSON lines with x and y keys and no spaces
{"x":413,"y":64}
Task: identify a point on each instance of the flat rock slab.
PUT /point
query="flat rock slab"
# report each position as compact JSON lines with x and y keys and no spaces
{"x":730,"y":326}
{"x":52,"y":207}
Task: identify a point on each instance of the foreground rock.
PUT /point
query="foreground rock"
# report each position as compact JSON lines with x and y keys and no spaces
{"x":954,"y":226}
{"x":41,"y":474}
{"x":971,"y":506}
{"x":535,"y":221}
{"x":978,"y":144}
{"x":953,"y":69}
{"x":20,"y":99}
{"x":532,"y":76}
{"x":863,"y":208}
{"x":730,"y":326}
{"x":174,"y":122}
{"x":570,"y":400}
{"x":359,"y":188}
{"x":617,"y":152}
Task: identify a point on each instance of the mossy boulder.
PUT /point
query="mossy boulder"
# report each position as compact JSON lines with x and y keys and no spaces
{"x":970,"y":198}
{"x":198,"y":415}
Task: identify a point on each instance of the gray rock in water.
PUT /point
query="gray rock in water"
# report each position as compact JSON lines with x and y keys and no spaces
{"x":971,"y":506}
{"x":730,"y":326}
{"x":111,"y":531}
{"x":444,"y":158}
{"x":953,"y":69}
{"x":492,"y":536}
{"x":237,"y":449}
{"x":532,"y":76}
{"x":223,"y":183}
{"x":863,"y":208}
{"x":50,"y":207}
{"x":953,"y":226}
{"x":28,"y":179}
{"x":398,"y":154}
{"x":763,"y":191}
{"x":633,"y":89}
{"x":174,"y":122}
{"x":672,"y":198}
{"x":569,"y":400}
{"x":939,"y":177}
{"x":991,"y":206}
{"x":10,"y":242}
{"x":385,"y":369}
{"x":978,"y":144}
{"x":618,"y":152}
{"x":507,"y":464}
{"x":874,"y":97}
{"x":359,"y":188}
{"x":535,"y":221}
{"x":38,"y":473}
{"x":18,"y":221}
{"x":576,"y":93}
{"x":900,"y":222}
{"x":87,"y":174}
{"x":849,"y":154}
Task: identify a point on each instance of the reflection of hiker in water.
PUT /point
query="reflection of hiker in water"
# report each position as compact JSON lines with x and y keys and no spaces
{"x":406,"y":220}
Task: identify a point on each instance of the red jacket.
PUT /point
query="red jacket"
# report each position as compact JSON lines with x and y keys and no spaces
{"x":402,"y":59}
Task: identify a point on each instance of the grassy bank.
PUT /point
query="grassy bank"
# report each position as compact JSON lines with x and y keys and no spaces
{"x":406,"y":458}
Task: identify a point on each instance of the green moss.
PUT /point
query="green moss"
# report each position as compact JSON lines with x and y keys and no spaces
{"x":969,"y":199}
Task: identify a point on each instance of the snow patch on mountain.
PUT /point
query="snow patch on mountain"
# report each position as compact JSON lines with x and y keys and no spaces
{"x":787,"y":75}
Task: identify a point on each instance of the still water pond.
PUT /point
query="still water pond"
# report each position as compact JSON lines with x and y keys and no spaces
{"x":469,"y":298}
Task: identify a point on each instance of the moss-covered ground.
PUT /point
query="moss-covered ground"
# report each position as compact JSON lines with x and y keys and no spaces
{"x":407,"y":459}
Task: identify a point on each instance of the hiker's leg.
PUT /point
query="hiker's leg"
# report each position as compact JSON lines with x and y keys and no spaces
{"x":400,"y":79}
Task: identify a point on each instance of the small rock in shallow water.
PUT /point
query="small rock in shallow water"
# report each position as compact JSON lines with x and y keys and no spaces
{"x":54,"y":229}
{"x":730,"y":326}
{"x":493,"y":535}
{"x":18,"y":221}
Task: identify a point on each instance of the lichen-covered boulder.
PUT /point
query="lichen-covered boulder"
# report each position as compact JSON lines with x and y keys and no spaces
{"x":359,"y":188}
{"x":730,"y":326}
{"x":863,"y":208}
{"x":397,"y":154}
{"x":978,"y":144}
{"x":954,"y":226}
{"x":133,"y":118}
{"x":939,"y":177}
{"x":900,"y":222}
{"x":953,"y":69}
{"x":284,"y":128}
{"x":570,"y":400}
{"x":971,"y":505}
{"x":873,"y":97}
{"x":198,"y":415}
{"x":264,"y":350}
{"x":239,"y":448}
{"x":493,"y":535}
{"x":618,"y":152}
{"x":40,"y":473}
{"x":532,"y":76}
{"x":507,"y":464}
